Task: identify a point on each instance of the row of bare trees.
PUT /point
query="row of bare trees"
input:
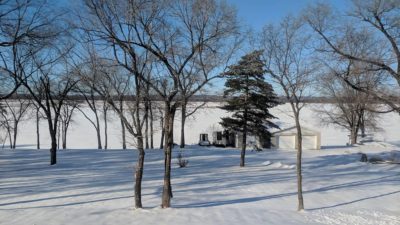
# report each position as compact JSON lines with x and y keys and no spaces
{"x":12,"y":113}
{"x":172,"y":49}
{"x":34,"y":55}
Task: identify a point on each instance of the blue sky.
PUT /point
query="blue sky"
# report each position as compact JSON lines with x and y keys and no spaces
{"x":257,"y":13}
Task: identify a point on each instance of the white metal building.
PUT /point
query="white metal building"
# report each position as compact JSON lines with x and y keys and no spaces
{"x":287,"y":139}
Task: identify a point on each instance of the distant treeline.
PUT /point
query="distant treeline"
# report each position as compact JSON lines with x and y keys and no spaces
{"x":200,"y":98}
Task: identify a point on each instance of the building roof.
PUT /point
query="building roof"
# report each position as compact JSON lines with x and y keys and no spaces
{"x":292,"y":131}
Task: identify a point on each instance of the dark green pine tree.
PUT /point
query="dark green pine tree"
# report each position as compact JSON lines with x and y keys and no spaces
{"x":249,"y":98}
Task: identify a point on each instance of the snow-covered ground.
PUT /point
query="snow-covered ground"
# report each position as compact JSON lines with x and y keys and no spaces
{"x":96,"y":187}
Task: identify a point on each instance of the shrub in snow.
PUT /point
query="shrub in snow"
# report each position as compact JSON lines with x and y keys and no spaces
{"x":364,"y":158}
{"x":182,"y":162}
{"x":256,"y":148}
{"x":394,"y":157}
{"x":375,"y":159}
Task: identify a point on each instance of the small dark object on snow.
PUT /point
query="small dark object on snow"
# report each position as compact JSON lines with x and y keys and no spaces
{"x":182,"y":162}
{"x":256,"y":148}
{"x":364,"y":158}
{"x":375,"y":160}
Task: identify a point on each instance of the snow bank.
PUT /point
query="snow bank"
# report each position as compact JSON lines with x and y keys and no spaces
{"x":266,"y":163}
{"x":278,"y":165}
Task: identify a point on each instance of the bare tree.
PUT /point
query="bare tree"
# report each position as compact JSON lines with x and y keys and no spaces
{"x":3,"y":125}
{"x":161,"y":118}
{"x":149,"y":124}
{"x":6,"y":123}
{"x":147,"y":105}
{"x":106,"y":108}
{"x":114,"y":83}
{"x":16,"y":29}
{"x":351,"y":109}
{"x":56,"y":88}
{"x":369,"y":35}
{"x":185,"y":114}
{"x":88,"y":93}
{"x":38,"y":116}
{"x":121,"y":103}
{"x":37,"y":28}
{"x":290,"y":66}
{"x":67,"y":111}
{"x":16,"y":109}
{"x":194,"y":80}
{"x":198,"y":75}
{"x":175,"y":33}
{"x":151,"y":116}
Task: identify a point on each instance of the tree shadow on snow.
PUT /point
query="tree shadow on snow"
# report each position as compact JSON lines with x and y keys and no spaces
{"x":316,"y":190}
{"x":357,"y":200}
{"x":331,"y":147}
{"x":220,"y":172}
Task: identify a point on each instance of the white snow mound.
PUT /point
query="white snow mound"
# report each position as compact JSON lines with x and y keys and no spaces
{"x":266,"y":163}
{"x":278,"y":165}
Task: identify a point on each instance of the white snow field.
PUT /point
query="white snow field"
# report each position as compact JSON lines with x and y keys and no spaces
{"x":92,"y":187}
{"x":81,"y":134}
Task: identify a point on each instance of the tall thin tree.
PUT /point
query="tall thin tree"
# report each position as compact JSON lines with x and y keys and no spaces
{"x":290,"y":65}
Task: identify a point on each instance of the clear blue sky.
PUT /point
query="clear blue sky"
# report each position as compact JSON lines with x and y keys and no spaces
{"x":257,"y":13}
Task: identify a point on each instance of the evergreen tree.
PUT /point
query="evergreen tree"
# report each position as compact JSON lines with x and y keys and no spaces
{"x":249,"y":98}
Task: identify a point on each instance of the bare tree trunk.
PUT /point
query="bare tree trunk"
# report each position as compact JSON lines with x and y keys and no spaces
{"x":183,"y":121}
{"x":162,"y":132}
{"x":169,"y":129}
{"x":146,"y":134}
{"x":64,"y":140}
{"x":298,"y":164}
{"x":58,"y":137}
{"x":105,"y":129}
{"x":123,"y":135}
{"x":362,"y":127}
{"x":53,"y":149}
{"x":53,"y":136}
{"x":139,"y":172}
{"x":243,"y":152}
{"x":162,"y":138}
{"x":151,"y":126}
{"x":53,"y":153}
{"x":37,"y":129}
{"x":10,"y":137}
{"x":15,"y":134}
{"x":353,"y":136}
{"x":64,"y":136}
{"x":362,"y":124}
{"x":121,"y":108}
{"x":98,"y":138}
{"x":98,"y":130}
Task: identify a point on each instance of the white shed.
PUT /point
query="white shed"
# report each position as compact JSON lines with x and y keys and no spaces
{"x":287,"y":139}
